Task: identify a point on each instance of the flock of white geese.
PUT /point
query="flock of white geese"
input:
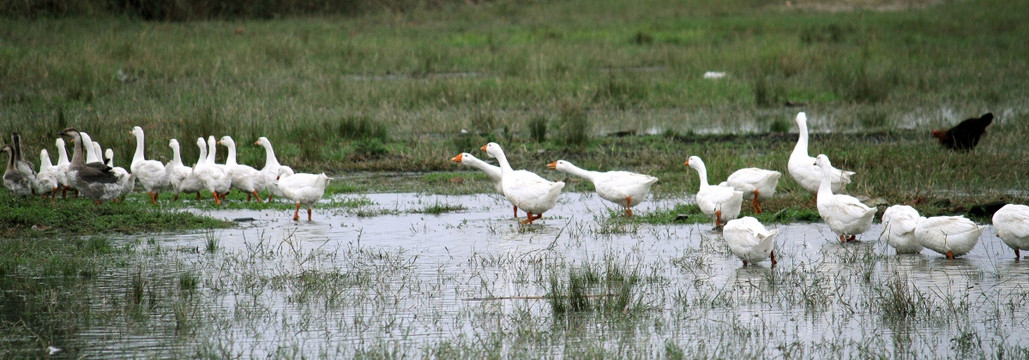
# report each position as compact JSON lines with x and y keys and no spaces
{"x":101,"y":181}
{"x":746,"y":237}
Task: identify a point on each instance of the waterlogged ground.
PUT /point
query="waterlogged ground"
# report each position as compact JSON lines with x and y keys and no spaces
{"x":390,"y":280}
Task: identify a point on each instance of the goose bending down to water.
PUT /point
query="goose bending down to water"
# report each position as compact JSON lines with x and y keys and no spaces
{"x":244,"y":178}
{"x":756,"y":184}
{"x":303,"y":189}
{"x":718,"y":203}
{"x":526,"y":190}
{"x":17,"y":181}
{"x":803,"y":169}
{"x":1012,"y":225}
{"x":46,"y":179}
{"x":93,"y":180}
{"x":952,"y":236}
{"x":899,"y":222}
{"x":625,"y":189}
{"x":749,"y":240}
{"x":150,"y":173}
{"x":844,"y":214}
{"x":493,"y":172}
{"x":271,"y":170}
{"x":127,"y":181}
{"x":181,"y":177}
{"x":213,"y":177}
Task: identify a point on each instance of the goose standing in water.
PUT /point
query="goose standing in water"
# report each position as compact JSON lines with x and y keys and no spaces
{"x":526,"y":190}
{"x":719,"y":203}
{"x":749,"y":240}
{"x":899,"y":222}
{"x":951,"y":236}
{"x":1012,"y":225}
{"x":302,"y":189}
{"x":625,"y":189}
{"x":844,"y":214}
{"x":271,"y":170}
{"x":493,"y":172}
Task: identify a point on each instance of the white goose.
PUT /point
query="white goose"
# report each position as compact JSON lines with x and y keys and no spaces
{"x":91,"y":149}
{"x":46,"y":178}
{"x":244,"y":178}
{"x":271,"y":170}
{"x":526,"y":190}
{"x":625,"y":189}
{"x":126,"y":180}
{"x":899,"y":222}
{"x":1012,"y":225}
{"x":181,"y":177}
{"x":493,"y":172}
{"x":61,"y":169}
{"x":718,"y":203}
{"x":210,"y":174}
{"x":17,"y":181}
{"x":93,"y":180}
{"x":756,"y":184}
{"x":802,"y":166}
{"x":749,"y":240}
{"x":303,"y":189}
{"x":952,"y":236}
{"x":150,"y":173}
{"x":844,"y":214}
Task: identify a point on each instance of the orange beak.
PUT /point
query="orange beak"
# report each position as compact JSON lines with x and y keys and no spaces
{"x":483,"y":148}
{"x":687,"y":163}
{"x":457,"y":158}
{"x":552,"y":165}
{"x":256,"y":143}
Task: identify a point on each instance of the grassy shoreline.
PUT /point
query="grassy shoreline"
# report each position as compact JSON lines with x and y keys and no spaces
{"x":402,"y":92}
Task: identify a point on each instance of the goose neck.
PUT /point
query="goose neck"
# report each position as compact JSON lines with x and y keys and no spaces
{"x":580,"y":172}
{"x":269,"y":154}
{"x":230,"y":157}
{"x":825,"y":187}
{"x":211,"y":151}
{"x":505,"y":167}
{"x":62,"y":153}
{"x":802,"y":139}
{"x":138,"y":156}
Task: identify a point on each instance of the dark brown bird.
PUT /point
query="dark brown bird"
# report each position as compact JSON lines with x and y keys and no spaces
{"x":964,"y":136}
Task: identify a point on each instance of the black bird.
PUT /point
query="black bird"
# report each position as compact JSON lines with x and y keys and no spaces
{"x":964,"y":136}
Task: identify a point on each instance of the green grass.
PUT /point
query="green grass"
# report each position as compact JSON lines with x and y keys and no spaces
{"x":37,"y":217}
{"x":323,"y":88}
{"x":390,"y":92}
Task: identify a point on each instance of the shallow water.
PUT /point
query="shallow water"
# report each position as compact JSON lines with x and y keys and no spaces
{"x":469,"y":283}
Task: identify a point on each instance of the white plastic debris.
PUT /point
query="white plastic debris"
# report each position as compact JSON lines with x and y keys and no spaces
{"x":714,"y":75}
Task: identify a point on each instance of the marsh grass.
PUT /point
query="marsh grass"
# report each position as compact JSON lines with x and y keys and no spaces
{"x":612,"y":291}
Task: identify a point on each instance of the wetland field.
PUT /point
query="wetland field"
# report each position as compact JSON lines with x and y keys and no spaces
{"x":412,"y":255}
